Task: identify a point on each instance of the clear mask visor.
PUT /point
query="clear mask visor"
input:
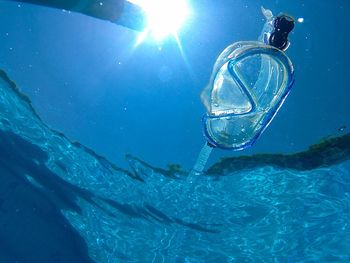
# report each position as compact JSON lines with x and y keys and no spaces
{"x":246,"y":92}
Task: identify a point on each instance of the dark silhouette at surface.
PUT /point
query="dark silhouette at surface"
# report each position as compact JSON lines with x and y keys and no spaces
{"x":120,"y":12}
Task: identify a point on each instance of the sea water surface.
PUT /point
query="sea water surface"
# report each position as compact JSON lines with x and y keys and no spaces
{"x":83,"y":156}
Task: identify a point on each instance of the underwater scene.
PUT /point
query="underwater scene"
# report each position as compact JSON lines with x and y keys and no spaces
{"x":174,"y":131}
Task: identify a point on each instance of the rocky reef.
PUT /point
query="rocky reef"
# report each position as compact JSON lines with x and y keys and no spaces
{"x":62,"y":202}
{"x":330,"y":151}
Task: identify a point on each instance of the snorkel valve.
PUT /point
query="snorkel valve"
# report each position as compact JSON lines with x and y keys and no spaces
{"x":277,"y":29}
{"x":249,"y":83}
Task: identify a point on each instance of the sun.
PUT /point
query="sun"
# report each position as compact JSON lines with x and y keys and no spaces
{"x":164,"y":17}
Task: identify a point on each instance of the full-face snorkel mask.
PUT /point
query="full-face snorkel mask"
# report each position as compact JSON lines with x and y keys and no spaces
{"x":249,"y":83}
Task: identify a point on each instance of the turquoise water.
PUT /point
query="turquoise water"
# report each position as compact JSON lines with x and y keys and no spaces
{"x":61,"y":201}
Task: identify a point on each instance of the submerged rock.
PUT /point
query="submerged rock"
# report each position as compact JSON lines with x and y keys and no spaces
{"x":63,"y":194}
{"x":62,"y":202}
{"x":328,"y":152}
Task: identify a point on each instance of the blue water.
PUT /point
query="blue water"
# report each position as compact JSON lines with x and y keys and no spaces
{"x":62,"y":202}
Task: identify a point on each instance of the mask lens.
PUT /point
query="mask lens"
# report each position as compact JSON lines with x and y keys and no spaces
{"x":246,"y":94}
{"x":228,"y":97}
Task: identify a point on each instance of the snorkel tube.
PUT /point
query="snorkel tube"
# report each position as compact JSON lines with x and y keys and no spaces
{"x":248,"y":85}
{"x":120,"y":12}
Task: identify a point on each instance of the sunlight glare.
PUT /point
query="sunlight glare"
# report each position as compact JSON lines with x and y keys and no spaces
{"x":164,"y":17}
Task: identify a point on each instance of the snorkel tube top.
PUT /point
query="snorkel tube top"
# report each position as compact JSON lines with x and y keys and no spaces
{"x":120,"y":12}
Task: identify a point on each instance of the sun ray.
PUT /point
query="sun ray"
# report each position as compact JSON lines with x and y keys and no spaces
{"x":184,"y":56}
